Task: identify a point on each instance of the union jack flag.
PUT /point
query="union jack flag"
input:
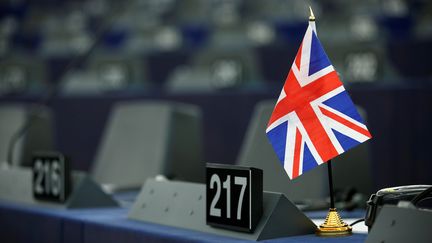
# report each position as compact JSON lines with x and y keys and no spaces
{"x":314,"y":119}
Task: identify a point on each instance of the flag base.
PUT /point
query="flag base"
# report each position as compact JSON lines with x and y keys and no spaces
{"x":333,"y":225}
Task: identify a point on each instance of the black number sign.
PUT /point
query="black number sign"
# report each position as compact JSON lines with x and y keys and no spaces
{"x":51,"y":177}
{"x":234,"y":197}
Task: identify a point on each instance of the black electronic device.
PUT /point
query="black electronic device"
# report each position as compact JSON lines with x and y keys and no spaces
{"x":51,"y":177}
{"x":400,"y":224}
{"x":391,"y":196}
{"x":234,"y":197}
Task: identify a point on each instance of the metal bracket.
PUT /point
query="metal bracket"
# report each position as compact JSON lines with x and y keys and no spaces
{"x":182,"y":204}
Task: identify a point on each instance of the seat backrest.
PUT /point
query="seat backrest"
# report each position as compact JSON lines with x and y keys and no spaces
{"x":353,"y":170}
{"x":145,"y":139}
{"x":21,"y":74}
{"x":361,"y":62}
{"x":257,"y":152}
{"x":229,"y":68}
{"x":350,"y":170}
{"x":118,"y":71}
{"x":216,"y":68}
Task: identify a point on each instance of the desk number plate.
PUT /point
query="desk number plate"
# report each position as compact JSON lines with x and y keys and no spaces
{"x":234,"y":197}
{"x":51,"y":177}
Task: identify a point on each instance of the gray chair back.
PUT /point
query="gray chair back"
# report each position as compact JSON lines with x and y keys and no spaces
{"x":350,"y":170}
{"x":146,"y":139}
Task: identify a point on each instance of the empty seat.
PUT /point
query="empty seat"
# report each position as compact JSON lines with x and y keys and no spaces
{"x":360,"y":62}
{"x":215,"y":69}
{"x":107,"y":73}
{"x":21,"y":74}
{"x":351,"y":170}
{"x":118,"y":70}
{"x":256,"y":151}
{"x":145,"y":139}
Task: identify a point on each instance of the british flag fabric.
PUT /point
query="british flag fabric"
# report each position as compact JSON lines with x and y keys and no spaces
{"x":314,"y":119}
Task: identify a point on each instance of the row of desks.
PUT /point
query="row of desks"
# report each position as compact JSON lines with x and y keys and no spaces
{"x":32,"y":223}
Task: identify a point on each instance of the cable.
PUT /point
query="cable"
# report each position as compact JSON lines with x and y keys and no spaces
{"x":357,"y":221}
{"x":53,"y":90}
{"x":18,"y":134}
{"x":423,"y":195}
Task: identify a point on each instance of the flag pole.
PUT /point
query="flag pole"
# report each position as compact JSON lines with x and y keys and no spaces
{"x":311,"y":16}
{"x":330,"y":176}
{"x":333,"y":224}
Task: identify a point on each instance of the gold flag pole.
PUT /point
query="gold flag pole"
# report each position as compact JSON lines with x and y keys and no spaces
{"x":333,"y":224}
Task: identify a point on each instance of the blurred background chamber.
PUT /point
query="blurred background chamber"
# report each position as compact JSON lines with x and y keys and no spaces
{"x":224,"y":56}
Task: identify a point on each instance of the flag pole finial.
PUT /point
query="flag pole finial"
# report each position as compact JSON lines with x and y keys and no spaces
{"x":312,"y":16}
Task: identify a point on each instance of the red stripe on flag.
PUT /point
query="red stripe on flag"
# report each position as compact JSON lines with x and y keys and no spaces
{"x":297,"y":150}
{"x":297,"y":96}
{"x":317,"y":133}
{"x":346,"y":122}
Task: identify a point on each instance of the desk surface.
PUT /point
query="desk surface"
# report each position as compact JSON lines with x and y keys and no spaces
{"x":29,"y":223}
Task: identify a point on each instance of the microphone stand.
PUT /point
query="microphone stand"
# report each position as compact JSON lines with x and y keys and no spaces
{"x":55,"y":87}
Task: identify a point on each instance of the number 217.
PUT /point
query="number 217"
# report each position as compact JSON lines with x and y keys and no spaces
{"x":216,"y":181}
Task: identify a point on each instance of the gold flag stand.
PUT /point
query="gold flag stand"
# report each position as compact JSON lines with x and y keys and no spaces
{"x":333,"y":224}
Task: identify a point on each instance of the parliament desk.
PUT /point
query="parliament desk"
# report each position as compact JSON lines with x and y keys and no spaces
{"x":31,"y":223}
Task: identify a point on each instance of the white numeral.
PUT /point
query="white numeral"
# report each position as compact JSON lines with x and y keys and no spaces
{"x":39,"y":177}
{"x":46,"y":172}
{"x":55,"y":178}
{"x":47,"y":177}
{"x":213,"y":210}
{"x":227,"y":186}
{"x":243,"y":182}
{"x":238,"y":180}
